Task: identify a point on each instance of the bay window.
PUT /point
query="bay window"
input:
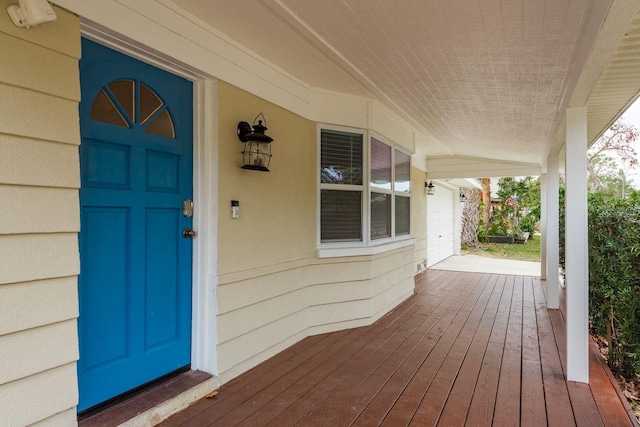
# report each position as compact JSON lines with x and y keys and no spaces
{"x":365,"y":189}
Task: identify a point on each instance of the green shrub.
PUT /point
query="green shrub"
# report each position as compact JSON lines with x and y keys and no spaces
{"x":561,"y":225}
{"x":528,"y":224}
{"x":482,"y":234}
{"x":614,"y":278}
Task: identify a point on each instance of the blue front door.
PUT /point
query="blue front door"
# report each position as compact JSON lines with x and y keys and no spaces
{"x":136,"y":171}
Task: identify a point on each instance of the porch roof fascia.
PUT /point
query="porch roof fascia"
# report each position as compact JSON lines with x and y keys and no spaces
{"x":476,"y":167}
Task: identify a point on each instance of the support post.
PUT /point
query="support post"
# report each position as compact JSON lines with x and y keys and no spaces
{"x":543,"y":226}
{"x":553,"y":232}
{"x":576,"y":246}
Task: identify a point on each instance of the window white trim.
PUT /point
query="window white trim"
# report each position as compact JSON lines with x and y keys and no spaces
{"x":343,"y":187}
{"x":397,"y":193}
{"x":367,"y":246}
{"x":336,"y":251}
{"x":204,"y":337}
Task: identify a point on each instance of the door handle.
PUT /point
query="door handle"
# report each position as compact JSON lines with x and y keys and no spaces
{"x":187,"y":233}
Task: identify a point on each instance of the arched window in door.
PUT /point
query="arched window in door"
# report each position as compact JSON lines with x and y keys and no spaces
{"x":127,"y":102}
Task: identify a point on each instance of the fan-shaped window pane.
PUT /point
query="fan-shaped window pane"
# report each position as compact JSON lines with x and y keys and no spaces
{"x":162,"y":125}
{"x":123,"y":105}
{"x":124,"y":92}
{"x":103,"y":110}
{"x":149,"y":103}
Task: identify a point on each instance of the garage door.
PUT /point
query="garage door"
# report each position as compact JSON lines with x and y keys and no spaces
{"x":439,"y":225}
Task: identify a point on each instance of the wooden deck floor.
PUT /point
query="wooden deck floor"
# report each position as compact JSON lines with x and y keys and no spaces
{"x":469,"y":349}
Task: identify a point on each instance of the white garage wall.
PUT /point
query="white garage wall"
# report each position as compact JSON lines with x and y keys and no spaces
{"x":440,"y":224}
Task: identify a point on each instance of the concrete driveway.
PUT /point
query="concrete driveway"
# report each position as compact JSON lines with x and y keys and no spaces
{"x":480,"y":264}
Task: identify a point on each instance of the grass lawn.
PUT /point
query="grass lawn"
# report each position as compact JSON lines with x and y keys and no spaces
{"x":529,"y":251}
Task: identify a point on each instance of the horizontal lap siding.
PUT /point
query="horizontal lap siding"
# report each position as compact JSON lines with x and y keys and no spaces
{"x":273,"y":290}
{"x":39,"y":221}
{"x":281,"y":308}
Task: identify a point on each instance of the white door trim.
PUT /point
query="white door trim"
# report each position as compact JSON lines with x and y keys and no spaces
{"x":205,"y":188}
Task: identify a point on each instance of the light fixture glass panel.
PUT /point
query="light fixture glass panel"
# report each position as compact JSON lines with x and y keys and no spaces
{"x":124,"y":92}
{"x":256,"y":155}
{"x":149,"y":103}
{"x":103,"y":110}
{"x":162,"y":125}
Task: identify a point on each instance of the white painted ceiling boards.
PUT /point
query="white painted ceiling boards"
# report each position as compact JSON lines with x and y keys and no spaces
{"x":478,"y":78}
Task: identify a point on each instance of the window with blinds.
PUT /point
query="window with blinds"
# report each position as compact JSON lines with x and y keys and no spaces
{"x":341,"y":179}
{"x":341,"y":157}
{"x":402,"y":190}
{"x":380,"y":185}
{"x":352,"y":207}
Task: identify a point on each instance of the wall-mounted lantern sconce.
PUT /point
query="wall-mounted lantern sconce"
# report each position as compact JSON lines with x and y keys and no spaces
{"x":463,"y":198}
{"x":257,"y":146}
{"x":429,"y":188}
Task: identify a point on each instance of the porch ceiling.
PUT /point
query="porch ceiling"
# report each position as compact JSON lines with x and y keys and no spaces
{"x":483,"y":78}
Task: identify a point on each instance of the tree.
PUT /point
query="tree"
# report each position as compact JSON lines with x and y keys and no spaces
{"x":511,"y":187}
{"x":601,"y":167}
{"x":470,"y":217}
{"x":486,"y":200}
{"x":520,"y":198}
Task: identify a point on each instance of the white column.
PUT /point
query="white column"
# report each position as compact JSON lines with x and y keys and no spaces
{"x":576,"y":250}
{"x":543,"y":226}
{"x":553,"y":232}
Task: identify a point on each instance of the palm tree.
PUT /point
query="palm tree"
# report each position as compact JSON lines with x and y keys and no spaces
{"x":486,"y":199}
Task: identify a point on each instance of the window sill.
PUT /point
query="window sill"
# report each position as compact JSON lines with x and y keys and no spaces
{"x":362,"y":250}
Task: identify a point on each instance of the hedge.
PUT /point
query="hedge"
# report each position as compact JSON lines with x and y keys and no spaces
{"x":614,"y":278}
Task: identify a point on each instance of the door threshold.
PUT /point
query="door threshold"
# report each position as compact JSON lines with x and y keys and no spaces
{"x":157,"y":403}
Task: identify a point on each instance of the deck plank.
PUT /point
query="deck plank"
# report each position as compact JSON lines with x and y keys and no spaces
{"x":484,"y":395}
{"x":533,"y":410}
{"x":413,"y":351}
{"x":296,"y":402}
{"x":433,"y":402}
{"x":411,"y":398}
{"x":585,"y":410}
{"x":407,"y":365}
{"x":261,"y":379}
{"x":455,"y":403}
{"x":604,"y":395}
{"x":508,"y":397}
{"x":468,"y":349}
{"x":407,"y":404}
{"x":557,"y":401}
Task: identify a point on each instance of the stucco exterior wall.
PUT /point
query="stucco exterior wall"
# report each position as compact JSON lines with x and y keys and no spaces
{"x":39,"y":221}
{"x":273,"y":289}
